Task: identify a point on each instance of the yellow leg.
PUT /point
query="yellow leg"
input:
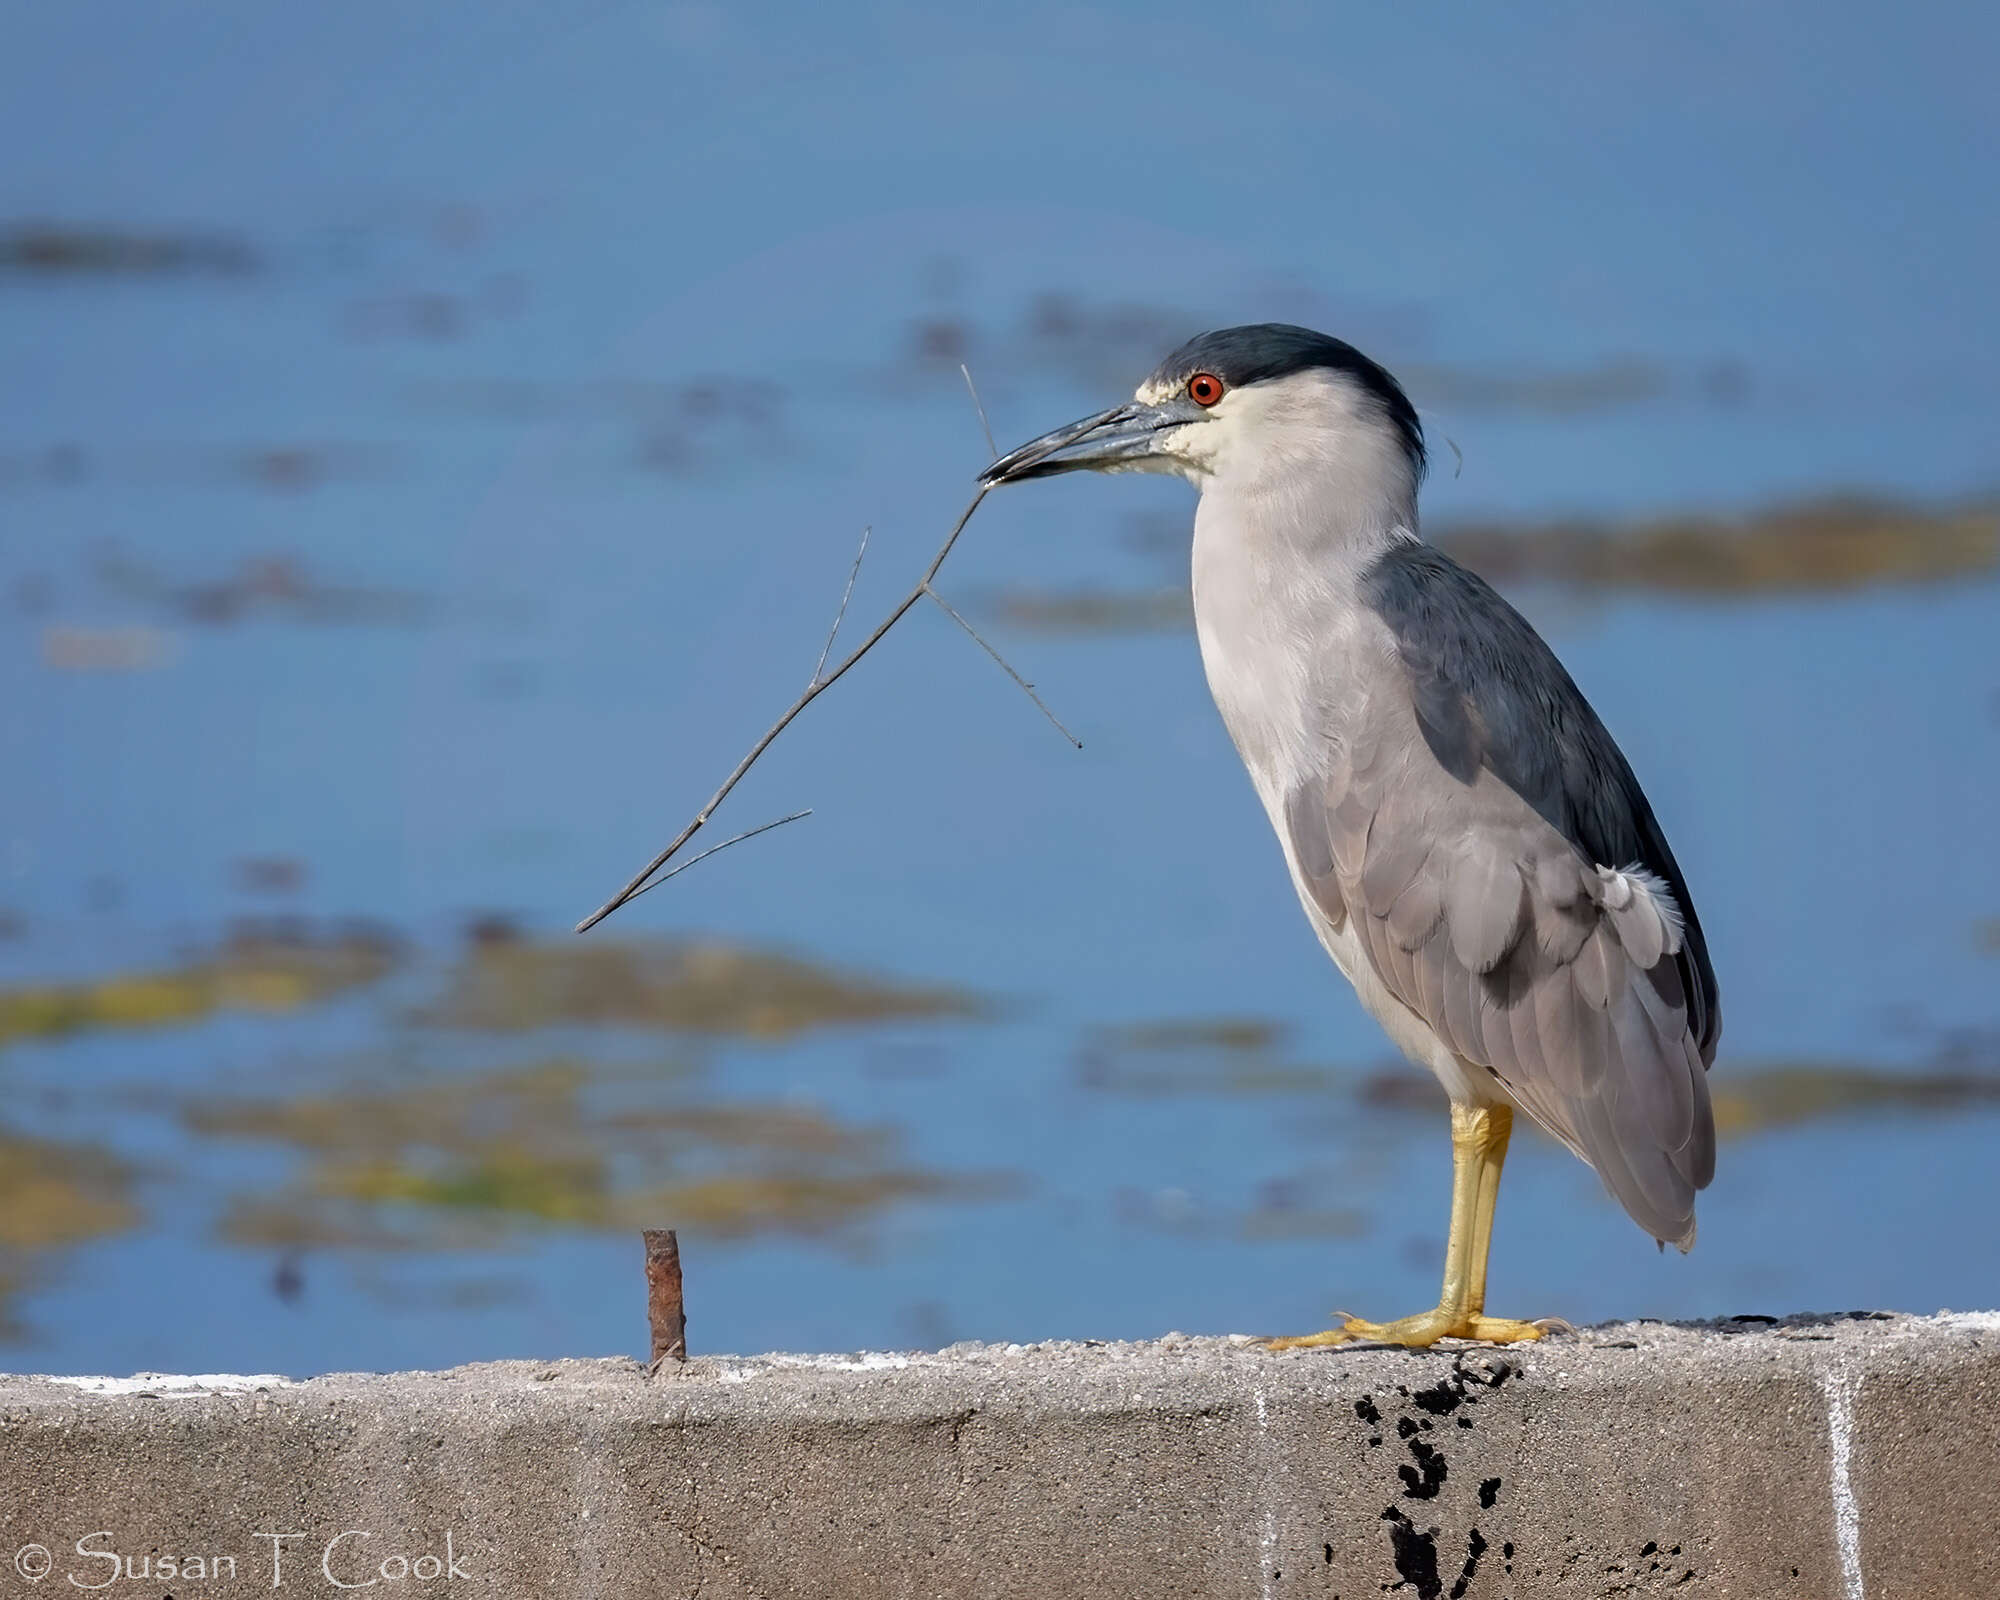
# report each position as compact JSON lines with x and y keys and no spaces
{"x":1492,"y":1156}
{"x":1478,"y":1151}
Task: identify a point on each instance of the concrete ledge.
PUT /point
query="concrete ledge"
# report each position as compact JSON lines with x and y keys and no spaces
{"x":1834,"y":1457}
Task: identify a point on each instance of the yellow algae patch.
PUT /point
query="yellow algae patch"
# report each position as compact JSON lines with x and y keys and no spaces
{"x":58,"y":1194}
{"x":1782,"y":1095}
{"x":52,"y":1197}
{"x":259,"y":969}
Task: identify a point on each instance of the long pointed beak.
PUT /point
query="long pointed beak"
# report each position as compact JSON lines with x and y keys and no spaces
{"x":1124,"y":439}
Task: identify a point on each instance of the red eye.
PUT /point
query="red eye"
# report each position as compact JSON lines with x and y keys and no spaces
{"x":1204,"y":388}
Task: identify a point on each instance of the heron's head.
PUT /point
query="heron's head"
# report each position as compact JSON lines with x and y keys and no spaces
{"x":1246,"y":403}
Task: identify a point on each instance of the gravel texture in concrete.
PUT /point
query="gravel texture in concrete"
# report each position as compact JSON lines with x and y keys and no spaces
{"x":1819,"y":1456}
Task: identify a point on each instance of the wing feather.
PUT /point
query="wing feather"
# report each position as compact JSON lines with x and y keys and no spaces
{"x":1579,"y":983}
{"x":1414,"y":916}
{"x":1482,"y":905}
{"x":1597,"y":965}
{"x":1485,"y":693}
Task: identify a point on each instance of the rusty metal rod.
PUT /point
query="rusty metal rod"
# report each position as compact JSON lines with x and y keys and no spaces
{"x":666,"y":1313}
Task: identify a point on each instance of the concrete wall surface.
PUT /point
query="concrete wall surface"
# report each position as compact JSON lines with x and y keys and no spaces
{"x":1841,"y":1457}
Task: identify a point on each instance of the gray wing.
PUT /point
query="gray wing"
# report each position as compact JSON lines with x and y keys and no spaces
{"x":1510,"y":886}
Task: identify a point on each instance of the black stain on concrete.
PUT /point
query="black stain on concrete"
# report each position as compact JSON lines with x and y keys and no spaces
{"x":1441,"y":1399}
{"x":1475,"y":1547}
{"x":1414,"y":1549}
{"x":1426,"y":1478}
{"x":1415,"y":1553}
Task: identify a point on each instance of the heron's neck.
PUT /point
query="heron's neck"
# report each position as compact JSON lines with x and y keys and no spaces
{"x":1311,"y":470}
{"x":1321,"y":511}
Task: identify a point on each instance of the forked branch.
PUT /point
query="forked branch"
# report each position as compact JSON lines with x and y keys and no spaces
{"x":821,"y":681}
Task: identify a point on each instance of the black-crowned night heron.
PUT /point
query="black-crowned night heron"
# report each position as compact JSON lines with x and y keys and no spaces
{"x":1468,"y":842}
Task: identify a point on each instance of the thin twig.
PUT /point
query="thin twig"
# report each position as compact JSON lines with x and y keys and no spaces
{"x":696,"y":860}
{"x":985,"y":426}
{"x":846,"y":595}
{"x":813,"y":691}
{"x":822,"y":681}
{"x":1027,"y":688}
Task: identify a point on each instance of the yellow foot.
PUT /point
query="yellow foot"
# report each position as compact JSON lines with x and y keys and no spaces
{"x":1420,"y":1331}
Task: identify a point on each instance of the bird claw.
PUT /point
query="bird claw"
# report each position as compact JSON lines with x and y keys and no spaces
{"x":1421,"y":1331}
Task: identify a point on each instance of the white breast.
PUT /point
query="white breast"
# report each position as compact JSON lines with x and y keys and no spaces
{"x":1286,"y":640}
{"x":1292,"y":655}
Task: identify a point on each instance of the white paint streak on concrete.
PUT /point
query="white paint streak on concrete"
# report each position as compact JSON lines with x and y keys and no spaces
{"x":1267,"y":1547}
{"x":1839,"y":1386}
{"x":174,"y":1385}
{"x":864,"y":1361}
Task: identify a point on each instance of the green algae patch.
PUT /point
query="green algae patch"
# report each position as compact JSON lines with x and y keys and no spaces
{"x":1196,"y":1056}
{"x":1821,"y":546}
{"x":1750,"y":1099}
{"x":468,"y":1162}
{"x":702,"y":986}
